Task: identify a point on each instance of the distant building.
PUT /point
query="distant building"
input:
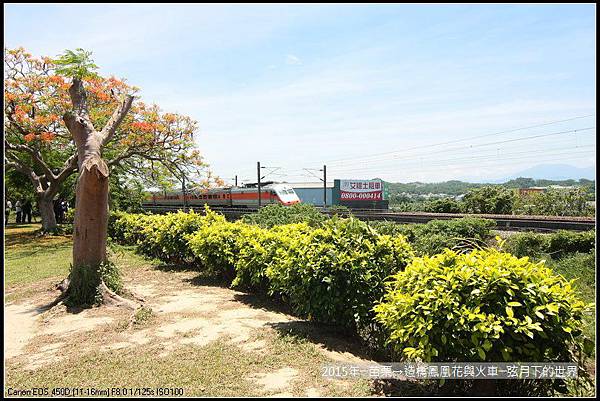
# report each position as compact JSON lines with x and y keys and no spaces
{"x":312,"y":192}
{"x":535,"y":190}
{"x":531,"y":190}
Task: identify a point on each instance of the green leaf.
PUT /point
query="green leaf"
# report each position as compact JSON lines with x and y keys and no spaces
{"x":588,"y":346}
{"x":481,"y":353}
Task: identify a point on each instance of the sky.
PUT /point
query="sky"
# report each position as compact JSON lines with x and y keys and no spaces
{"x":400,"y":92}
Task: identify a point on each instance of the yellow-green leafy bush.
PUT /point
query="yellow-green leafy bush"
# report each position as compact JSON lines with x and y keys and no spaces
{"x":335,"y":274}
{"x":166,"y":238}
{"x":127,"y":228}
{"x":147,"y":240}
{"x":483,"y":306}
{"x":216,"y":245}
{"x":260,"y":250}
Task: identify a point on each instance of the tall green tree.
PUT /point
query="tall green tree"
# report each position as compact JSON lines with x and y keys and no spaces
{"x":490,"y":199}
{"x":556,"y":202}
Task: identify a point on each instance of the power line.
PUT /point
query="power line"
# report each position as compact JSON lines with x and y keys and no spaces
{"x":480,"y":166}
{"x":462,"y":140}
{"x":508,"y":156}
{"x":494,"y":162}
{"x":494,"y":143}
{"x":467,"y":158}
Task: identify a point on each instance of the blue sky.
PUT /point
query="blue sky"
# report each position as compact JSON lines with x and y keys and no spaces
{"x":356,"y":87}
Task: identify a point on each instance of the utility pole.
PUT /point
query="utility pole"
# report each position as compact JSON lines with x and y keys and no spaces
{"x":258,"y":173}
{"x":236,"y":180}
{"x":324,"y":179}
{"x":183,"y":191}
{"x":324,"y":186}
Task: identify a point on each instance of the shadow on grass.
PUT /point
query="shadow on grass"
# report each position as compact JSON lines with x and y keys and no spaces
{"x":39,"y":248}
{"x":331,"y":338}
{"x":263,"y":302}
{"x":174,"y":267}
{"x":205,"y":279}
{"x":25,"y":234}
{"x":72,"y":309}
{"x":15,"y":234}
{"x":337,"y":339}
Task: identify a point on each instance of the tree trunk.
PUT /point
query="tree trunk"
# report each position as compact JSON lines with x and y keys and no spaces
{"x":47,"y":213}
{"x":89,"y":228}
{"x":91,"y":213}
{"x":91,"y":203}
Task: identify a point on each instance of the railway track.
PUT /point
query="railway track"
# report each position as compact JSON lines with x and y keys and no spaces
{"x":503,"y":222}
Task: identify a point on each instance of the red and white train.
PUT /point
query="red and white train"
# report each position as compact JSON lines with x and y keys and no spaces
{"x":270,"y":193}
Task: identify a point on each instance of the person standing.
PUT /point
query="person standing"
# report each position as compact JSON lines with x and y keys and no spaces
{"x":27,"y":211}
{"x":19,"y":211}
{"x":7,"y":207}
{"x":57,"y":211}
{"x":64,"y":207}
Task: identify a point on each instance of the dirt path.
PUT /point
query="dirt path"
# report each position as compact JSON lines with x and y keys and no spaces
{"x":19,"y":327}
{"x":185,"y":311}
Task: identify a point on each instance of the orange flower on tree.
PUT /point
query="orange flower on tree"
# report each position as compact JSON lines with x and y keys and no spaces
{"x":142,"y":126}
{"x":47,"y":136}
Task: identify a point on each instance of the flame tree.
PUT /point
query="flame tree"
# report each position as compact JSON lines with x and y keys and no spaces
{"x":61,"y":117}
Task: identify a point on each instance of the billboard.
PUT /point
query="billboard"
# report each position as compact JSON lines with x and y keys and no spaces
{"x":362,"y":190}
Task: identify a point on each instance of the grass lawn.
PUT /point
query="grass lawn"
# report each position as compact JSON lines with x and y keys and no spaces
{"x":29,"y":259}
{"x":238,"y":347}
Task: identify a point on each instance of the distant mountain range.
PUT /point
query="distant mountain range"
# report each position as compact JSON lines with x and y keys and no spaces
{"x":555,"y":172}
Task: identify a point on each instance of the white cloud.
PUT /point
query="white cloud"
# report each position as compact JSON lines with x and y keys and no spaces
{"x":291,"y":59}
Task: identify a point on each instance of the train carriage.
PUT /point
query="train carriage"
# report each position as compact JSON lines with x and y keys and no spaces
{"x":247,"y":196}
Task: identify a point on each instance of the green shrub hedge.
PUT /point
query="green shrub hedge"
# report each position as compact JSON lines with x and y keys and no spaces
{"x":564,"y":242}
{"x":557,"y":244}
{"x":335,"y":273}
{"x":527,"y":244}
{"x":217,"y":246}
{"x":276,"y":214}
{"x":485,"y":305}
{"x":482,"y":306}
{"x":262,"y":251}
{"x":128,"y":228}
{"x":167,"y":238}
{"x":436,"y":235}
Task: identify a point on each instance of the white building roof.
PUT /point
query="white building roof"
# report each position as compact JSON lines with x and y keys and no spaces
{"x":309,"y":184}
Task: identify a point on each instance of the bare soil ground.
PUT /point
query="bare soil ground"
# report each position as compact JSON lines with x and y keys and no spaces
{"x":279,"y":355}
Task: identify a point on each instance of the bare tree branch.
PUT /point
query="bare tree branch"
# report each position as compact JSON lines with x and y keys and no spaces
{"x":78,"y":120}
{"x":69,"y":167}
{"x":13,"y":162}
{"x":117,"y":160}
{"x":116,"y":118}
{"x":35,"y":154}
